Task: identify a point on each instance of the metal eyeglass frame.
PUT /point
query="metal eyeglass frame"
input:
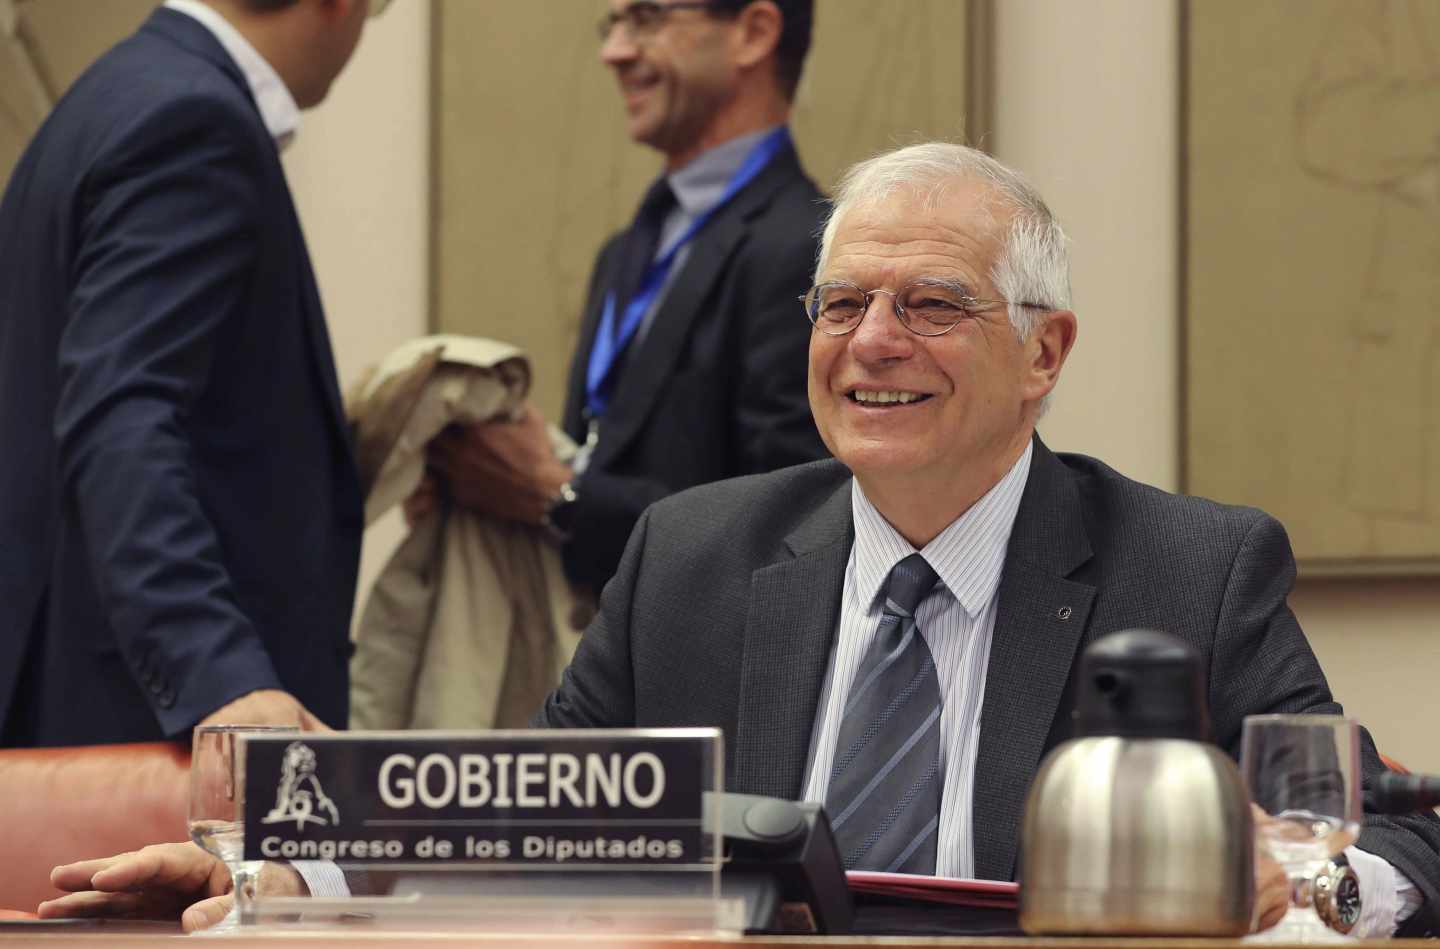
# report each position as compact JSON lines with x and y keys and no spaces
{"x":969,"y":305}
{"x":656,"y":12}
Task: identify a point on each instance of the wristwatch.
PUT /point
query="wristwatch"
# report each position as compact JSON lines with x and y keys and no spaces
{"x":559,"y":517}
{"x":1337,"y":894}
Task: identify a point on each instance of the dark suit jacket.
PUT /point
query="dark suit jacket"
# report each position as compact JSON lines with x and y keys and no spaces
{"x":179,"y":513}
{"x":717,"y":386}
{"x":725,"y":607}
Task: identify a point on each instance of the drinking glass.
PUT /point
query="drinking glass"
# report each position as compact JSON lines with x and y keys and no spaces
{"x":217,"y":807}
{"x":1303,"y":771}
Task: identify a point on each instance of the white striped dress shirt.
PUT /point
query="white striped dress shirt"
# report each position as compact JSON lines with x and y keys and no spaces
{"x":956,"y":620}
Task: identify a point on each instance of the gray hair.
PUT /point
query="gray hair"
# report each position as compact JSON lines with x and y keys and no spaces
{"x":1033,"y":267}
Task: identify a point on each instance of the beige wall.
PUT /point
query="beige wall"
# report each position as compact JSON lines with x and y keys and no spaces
{"x":1087,"y":104}
{"x":55,"y":40}
{"x":361,"y":178}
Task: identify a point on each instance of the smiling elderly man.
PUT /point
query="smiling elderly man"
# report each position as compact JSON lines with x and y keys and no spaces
{"x":783,"y":607}
{"x":778,"y":606}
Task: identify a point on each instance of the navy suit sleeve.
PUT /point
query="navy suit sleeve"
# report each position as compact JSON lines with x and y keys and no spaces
{"x":166,"y":253}
{"x":1263,"y":664}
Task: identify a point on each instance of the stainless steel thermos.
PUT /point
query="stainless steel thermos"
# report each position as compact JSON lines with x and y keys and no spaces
{"x":1138,"y":825}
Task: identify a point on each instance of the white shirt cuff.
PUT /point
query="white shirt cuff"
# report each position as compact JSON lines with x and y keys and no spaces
{"x":1387,"y":897}
{"x":325,"y":879}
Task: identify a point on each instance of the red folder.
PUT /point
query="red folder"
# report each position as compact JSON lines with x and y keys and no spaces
{"x":954,"y":891}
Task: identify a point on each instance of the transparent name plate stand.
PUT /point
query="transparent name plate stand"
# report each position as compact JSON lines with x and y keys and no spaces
{"x":561,"y":832}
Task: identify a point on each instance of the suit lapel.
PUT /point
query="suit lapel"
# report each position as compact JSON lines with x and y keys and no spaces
{"x":1039,"y":619}
{"x":639,"y":388}
{"x":794,"y":613}
{"x":573,"y":420}
{"x":648,"y":368}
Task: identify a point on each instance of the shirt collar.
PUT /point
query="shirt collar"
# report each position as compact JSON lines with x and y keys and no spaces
{"x":701,"y":183}
{"x":968,"y":555}
{"x":277,"y":107}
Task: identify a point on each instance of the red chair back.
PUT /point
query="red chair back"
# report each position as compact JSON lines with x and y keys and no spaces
{"x":59,"y":805}
{"x":1393,"y":765}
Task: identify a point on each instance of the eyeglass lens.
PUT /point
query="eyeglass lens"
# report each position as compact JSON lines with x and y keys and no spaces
{"x":923,"y":308}
{"x":640,"y":19}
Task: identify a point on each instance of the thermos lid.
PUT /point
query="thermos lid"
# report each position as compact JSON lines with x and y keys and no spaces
{"x":1141,"y":683}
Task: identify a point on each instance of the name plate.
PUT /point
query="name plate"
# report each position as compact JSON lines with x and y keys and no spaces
{"x":482,"y":799}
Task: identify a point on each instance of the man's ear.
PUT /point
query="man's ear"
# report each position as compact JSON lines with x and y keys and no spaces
{"x":758,"y":28}
{"x":1046,"y":350}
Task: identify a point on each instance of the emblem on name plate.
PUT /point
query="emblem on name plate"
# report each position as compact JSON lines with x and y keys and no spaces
{"x":299,"y":796}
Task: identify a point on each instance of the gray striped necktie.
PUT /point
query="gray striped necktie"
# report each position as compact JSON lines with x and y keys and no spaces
{"x":884,"y":795}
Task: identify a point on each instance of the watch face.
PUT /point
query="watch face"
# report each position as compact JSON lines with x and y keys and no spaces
{"x":1337,"y":896}
{"x":1347,"y":898}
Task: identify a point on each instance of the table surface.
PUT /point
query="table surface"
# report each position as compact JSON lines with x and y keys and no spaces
{"x":73,"y":936}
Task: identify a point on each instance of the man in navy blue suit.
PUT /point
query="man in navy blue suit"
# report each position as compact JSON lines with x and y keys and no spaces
{"x":180,"y":518}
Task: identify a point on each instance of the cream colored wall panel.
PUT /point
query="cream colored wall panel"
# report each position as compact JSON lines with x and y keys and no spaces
{"x":62,"y":37}
{"x":1085,"y":98}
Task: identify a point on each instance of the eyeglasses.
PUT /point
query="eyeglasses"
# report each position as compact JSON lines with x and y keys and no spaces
{"x":925,"y":307}
{"x":643,"y":18}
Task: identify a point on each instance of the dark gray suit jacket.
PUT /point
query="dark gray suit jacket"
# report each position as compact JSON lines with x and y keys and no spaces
{"x":726,"y":604}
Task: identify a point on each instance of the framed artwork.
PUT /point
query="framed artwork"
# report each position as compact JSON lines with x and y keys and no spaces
{"x":1312,"y":273}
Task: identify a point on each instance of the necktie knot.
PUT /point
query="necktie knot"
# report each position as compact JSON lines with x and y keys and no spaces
{"x":656,"y":204}
{"x":910,"y":581}
{"x":641,"y":244}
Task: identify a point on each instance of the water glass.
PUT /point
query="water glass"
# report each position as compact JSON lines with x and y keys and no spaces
{"x":1303,"y":771}
{"x":217,"y":807}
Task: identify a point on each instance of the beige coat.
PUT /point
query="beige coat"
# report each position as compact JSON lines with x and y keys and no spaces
{"x":471,"y":621}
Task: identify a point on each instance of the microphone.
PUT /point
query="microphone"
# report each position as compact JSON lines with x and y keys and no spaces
{"x":1405,"y":793}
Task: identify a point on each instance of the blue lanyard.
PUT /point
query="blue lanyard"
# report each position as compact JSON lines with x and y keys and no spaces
{"x":609,"y":344}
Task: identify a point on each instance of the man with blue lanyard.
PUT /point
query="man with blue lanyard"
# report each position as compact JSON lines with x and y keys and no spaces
{"x":690,"y":366}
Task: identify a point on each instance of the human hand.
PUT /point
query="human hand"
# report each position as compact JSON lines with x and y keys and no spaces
{"x":266,"y":707}
{"x":503,"y":469}
{"x":162,"y":881}
{"x":1272,"y":883}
